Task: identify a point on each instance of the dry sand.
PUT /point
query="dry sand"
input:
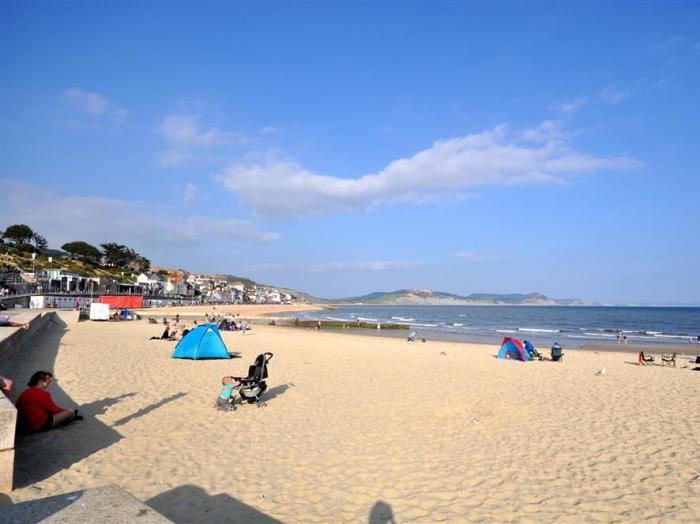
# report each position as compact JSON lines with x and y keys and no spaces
{"x":360,"y":429}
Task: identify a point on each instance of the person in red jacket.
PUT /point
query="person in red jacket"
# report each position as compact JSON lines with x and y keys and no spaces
{"x":38,"y":410}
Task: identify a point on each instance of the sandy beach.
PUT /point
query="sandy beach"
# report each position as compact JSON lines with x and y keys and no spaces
{"x":363,"y":429}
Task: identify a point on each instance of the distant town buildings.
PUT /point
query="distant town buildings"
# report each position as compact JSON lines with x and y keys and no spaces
{"x":165,"y":286}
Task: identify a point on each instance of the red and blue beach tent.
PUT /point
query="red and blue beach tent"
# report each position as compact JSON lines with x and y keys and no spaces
{"x":512,"y":349}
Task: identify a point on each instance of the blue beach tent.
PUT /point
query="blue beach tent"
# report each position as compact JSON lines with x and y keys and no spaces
{"x":512,"y":349}
{"x":202,"y":342}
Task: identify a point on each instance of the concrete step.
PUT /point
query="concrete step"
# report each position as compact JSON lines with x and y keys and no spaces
{"x":105,"y":504}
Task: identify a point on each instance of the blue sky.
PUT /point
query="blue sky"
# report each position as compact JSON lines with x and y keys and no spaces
{"x":341,"y":148}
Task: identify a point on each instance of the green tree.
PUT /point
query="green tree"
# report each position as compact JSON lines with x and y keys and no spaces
{"x":19,"y":233}
{"x":83,"y":251}
{"x":115,"y":254}
{"x":40,"y":241}
{"x":125,"y":258}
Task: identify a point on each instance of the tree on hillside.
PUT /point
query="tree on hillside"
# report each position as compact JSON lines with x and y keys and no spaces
{"x":19,"y":233}
{"x":83,"y":251}
{"x":115,"y":254}
{"x":40,"y":241}
{"x":123,"y":257}
{"x":140,"y":264}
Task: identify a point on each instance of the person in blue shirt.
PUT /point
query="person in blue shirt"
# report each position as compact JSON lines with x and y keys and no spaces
{"x":222,"y":401}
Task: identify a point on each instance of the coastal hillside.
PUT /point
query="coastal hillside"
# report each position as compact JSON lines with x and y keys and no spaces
{"x":20,"y":261}
{"x":426,"y":297}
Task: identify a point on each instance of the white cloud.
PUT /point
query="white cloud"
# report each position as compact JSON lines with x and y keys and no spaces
{"x":446,"y":170}
{"x":378,"y":265}
{"x":547,"y":131}
{"x":98,"y":220}
{"x":192,"y":194}
{"x":186,"y":140}
{"x":570,"y":106}
{"x":480,"y":256}
{"x":269,"y":130}
{"x":184,"y":131}
{"x":95,"y":104}
{"x":174,"y":158}
{"x":612,"y":94}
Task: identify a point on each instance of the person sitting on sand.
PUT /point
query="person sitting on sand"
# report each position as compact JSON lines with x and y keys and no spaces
{"x":7,"y":322}
{"x":37,"y":409}
{"x":222,"y":401}
{"x":166,"y":334}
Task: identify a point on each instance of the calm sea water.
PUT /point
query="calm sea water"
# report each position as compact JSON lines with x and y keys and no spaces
{"x":542,"y":325}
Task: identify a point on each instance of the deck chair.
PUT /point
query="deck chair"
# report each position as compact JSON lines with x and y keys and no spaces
{"x":644,"y":360}
{"x":670,"y":359}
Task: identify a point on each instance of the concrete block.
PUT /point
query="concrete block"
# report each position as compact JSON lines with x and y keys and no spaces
{"x":8,"y":423}
{"x":106,"y":504}
{"x":7,"y":469}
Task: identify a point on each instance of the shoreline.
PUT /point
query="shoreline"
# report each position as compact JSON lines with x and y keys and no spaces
{"x":682,"y":350}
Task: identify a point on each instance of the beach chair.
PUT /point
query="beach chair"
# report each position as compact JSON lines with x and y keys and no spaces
{"x":254,"y":385}
{"x":669,"y":359}
{"x":644,"y":360}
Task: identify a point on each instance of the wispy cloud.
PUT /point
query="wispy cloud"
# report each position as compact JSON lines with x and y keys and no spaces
{"x":269,"y":130}
{"x":371,"y":266}
{"x":184,"y":136}
{"x":95,"y":104}
{"x":480,"y":257}
{"x":570,"y":106}
{"x":610,"y":94}
{"x":444,"y":171}
{"x":64,"y":219}
{"x":185,"y":131}
{"x":192,"y":194}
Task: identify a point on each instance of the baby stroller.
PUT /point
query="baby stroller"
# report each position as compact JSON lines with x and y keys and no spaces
{"x":252,"y":386}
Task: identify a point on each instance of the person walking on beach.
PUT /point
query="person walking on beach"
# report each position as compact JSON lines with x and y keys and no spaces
{"x":37,"y":409}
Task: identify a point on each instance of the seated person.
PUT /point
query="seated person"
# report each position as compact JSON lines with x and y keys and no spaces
{"x":222,"y":401}
{"x":7,"y":322}
{"x":166,"y":334}
{"x":531,"y":350}
{"x":643,"y":360}
{"x":557,"y":354}
{"x":37,"y":409}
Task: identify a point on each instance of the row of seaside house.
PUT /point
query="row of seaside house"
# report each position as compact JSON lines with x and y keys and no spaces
{"x":193,"y":287}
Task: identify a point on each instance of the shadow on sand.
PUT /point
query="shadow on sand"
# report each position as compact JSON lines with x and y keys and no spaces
{"x":276,"y":391}
{"x":191,"y":503}
{"x":34,"y":459}
{"x":144,"y":411}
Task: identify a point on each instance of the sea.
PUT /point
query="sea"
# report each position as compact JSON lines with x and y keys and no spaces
{"x":542,"y":325}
